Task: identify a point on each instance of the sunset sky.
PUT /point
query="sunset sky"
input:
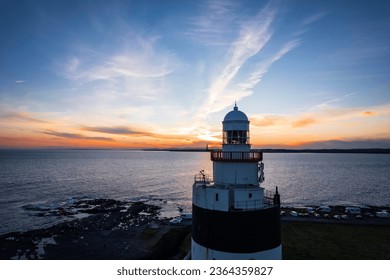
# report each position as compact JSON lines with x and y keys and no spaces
{"x":135,"y":74}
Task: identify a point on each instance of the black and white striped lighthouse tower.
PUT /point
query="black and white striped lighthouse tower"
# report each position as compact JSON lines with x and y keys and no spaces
{"x":233,"y":217}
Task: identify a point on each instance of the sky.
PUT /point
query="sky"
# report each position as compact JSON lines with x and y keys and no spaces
{"x":145,"y":74}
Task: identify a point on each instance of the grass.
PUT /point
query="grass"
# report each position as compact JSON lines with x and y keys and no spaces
{"x":148,"y":234}
{"x":170,"y":244}
{"x":306,"y":241}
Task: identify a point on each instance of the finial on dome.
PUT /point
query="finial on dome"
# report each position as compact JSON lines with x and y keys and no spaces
{"x":235,"y":106}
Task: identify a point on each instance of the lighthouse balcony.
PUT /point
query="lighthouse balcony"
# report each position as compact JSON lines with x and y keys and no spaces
{"x":251,"y":156}
{"x":210,"y":195}
{"x":248,"y":205}
{"x":203,"y":180}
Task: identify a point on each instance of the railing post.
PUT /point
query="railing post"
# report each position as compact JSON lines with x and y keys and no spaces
{"x":252,"y":155}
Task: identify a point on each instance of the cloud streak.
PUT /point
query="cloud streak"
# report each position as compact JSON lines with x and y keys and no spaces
{"x":125,"y":66}
{"x":138,"y":69}
{"x":263,"y":67}
{"x":303,"y":122}
{"x":212,"y":26}
{"x":76,"y":136}
{"x":122,"y":130}
{"x":268,"y":120}
{"x":333,"y":100}
{"x":313,"y":18}
{"x":328,"y":125}
{"x":314,"y":118}
{"x":20,"y":117}
{"x":254,"y":35}
{"x":368,"y":113}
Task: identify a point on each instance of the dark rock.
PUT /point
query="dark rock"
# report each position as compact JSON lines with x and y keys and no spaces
{"x":108,"y":233}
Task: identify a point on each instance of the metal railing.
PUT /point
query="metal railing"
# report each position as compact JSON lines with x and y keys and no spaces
{"x":247,"y":205}
{"x":251,"y":156}
{"x":203,"y":179}
{"x":269,"y":198}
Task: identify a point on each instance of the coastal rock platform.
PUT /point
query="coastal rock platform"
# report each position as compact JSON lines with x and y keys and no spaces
{"x":108,"y":229}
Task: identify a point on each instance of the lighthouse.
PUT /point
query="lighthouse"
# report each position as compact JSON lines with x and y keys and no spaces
{"x":233,"y":217}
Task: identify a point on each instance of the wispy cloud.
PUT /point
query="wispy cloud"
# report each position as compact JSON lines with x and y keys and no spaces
{"x":230,"y":85}
{"x":72,"y":65}
{"x":333,"y":100}
{"x":121,"y":130}
{"x":314,"y":118}
{"x":313,"y":18}
{"x":19,"y":81}
{"x":321,"y":126}
{"x":75,"y":136}
{"x":132,"y":132}
{"x":305,"y":24}
{"x":254,"y":35}
{"x":138,"y":69}
{"x":262,"y":68}
{"x":302,"y":122}
{"x":287,"y":47}
{"x":268,"y":120}
{"x":368,"y":113}
{"x":124,"y":66}
{"x":215,"y":22}
{"x":118,"y":66}
{"x":20,"y":116}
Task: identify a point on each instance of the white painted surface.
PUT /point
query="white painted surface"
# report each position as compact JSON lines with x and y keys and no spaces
{"x":244,"y":173}
{"x":206,"y":197}
{"x":248,"y":198}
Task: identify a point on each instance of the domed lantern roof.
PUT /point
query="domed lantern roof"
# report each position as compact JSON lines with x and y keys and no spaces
{"x":235,"y":116}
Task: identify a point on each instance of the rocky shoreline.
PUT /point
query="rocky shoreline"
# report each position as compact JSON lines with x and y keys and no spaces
{"x":110,"y":229}
{"x":106,"y":229}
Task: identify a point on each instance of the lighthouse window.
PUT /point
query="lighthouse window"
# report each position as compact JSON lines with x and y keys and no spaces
{"x":250,"y":195}
{"x":236,"y":137}
{"x":216,"y":197}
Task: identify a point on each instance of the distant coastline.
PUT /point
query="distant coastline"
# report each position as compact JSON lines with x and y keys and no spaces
{"x":320,"y":151}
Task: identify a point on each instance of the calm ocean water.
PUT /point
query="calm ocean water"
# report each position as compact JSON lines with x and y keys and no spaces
{"x":46,"y":179}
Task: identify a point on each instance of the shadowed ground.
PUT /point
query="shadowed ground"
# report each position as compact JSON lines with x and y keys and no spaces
{"x":318,"y":241}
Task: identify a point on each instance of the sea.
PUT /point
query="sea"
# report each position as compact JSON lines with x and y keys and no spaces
{"x":33,"y":180}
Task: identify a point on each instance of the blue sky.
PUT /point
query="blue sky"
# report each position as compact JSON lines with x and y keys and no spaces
{"x":164,"y":73}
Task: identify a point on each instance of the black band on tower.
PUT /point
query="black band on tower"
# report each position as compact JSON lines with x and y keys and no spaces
{"x":238,"y":231}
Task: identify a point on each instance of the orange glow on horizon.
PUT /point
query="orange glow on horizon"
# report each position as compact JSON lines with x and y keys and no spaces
{"x":28,"y":130}
{"x":34,"y":141}
{"x":117,"y":142}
